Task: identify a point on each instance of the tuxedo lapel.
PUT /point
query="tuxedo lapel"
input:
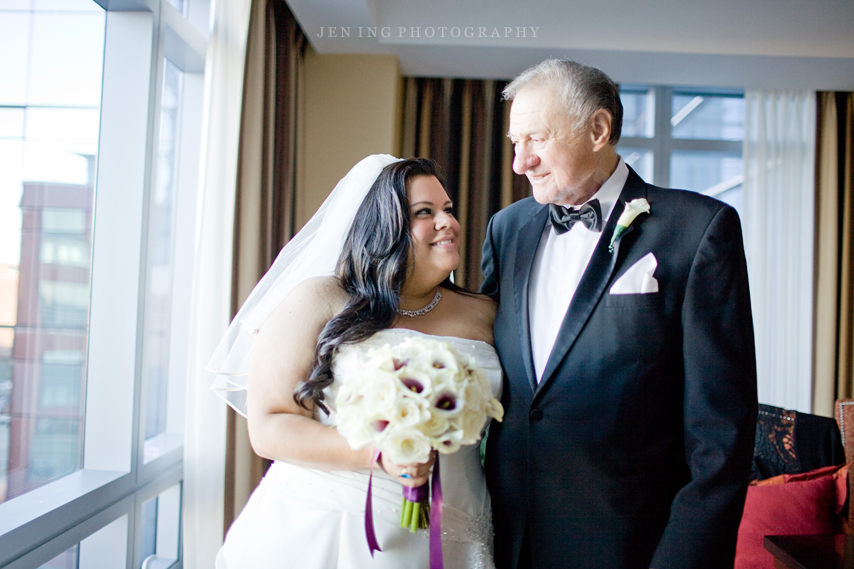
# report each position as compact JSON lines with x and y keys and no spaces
{"x":526,"y":250}
{"x":595,"y":279}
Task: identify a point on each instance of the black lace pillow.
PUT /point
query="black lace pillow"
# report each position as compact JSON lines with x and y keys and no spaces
{"x":789,"y":442}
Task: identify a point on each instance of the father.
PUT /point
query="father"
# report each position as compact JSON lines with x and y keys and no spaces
{"x":630,"y":397}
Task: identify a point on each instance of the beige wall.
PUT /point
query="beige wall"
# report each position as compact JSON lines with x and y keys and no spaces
{"x":351,"y":109}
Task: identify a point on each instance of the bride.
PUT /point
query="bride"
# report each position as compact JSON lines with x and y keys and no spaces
{"x":371,"y":268}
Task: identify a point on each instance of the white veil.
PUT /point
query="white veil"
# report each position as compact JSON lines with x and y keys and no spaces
{"x":312,"y":252}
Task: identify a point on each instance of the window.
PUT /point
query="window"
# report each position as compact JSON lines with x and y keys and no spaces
{"x":49,"y":121}
{"x":161,"y":522}
{"x":100,"y":115}
{"x":685,"y":138}
{"x":162,"y":429}
{"x":179,"y":5}
{"x":65,"y":560}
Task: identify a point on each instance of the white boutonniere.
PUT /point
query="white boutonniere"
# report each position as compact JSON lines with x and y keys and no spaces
{"x":633,"y":209}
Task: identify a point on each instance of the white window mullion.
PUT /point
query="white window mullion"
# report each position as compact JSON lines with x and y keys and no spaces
{"x":663,"y":129}
{"x":120,"y":198}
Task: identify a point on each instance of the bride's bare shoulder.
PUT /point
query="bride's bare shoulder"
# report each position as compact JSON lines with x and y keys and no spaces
{"x":322,"y":289}
{"x":473,"y":315}
{"x":311,"y":304}
{"x":479,"y":305}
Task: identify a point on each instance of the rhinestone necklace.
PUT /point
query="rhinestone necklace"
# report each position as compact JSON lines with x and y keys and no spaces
{"x":422,"y":311}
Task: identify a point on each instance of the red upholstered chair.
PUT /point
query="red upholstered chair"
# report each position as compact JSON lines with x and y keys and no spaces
{"x":844,"y":411}
{"x":801,"y":462}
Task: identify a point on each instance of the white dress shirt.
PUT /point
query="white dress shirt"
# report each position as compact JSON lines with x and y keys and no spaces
{"x":558,"y":266}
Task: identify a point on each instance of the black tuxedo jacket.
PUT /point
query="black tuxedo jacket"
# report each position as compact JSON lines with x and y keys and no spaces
{"x":635,"y":448}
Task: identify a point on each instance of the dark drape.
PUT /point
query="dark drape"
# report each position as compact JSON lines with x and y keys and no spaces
{"x":834,"y":306}
{"x":462,"y":124}
{"x":265,"y":202}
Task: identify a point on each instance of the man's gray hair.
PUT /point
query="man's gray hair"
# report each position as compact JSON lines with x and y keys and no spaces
{"x":583,"y":91}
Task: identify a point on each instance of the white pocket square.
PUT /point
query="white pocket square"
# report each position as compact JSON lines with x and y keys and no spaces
{"x":638,"y":279}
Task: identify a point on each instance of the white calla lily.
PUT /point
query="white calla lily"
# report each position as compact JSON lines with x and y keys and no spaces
{"x":450,"y":442}
{"x":632,"y":209}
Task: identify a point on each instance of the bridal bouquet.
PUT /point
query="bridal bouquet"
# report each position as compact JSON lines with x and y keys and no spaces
{"x":409,"y":399}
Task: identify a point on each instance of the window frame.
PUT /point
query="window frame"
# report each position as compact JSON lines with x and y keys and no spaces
{"x":662,"y":144}
{"x":114,"y":481}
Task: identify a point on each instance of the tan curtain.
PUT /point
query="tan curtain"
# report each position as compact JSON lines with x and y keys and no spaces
{"x":462,"y":124}
{"x":265,"y":202}
{"x":834,"y":314}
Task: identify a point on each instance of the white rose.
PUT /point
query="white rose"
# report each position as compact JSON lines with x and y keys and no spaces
{"x":419,"y":364}
{"x":348,"y":357}
{"x":406,"y":412}
{"x":381,"y":390}
{"x":455,"y":423}
{"x":347,"y":394}
{"x":374,"y":358}
{"x":435,"y":426}
{"x":443,"y":378}
{"x":356,"y":428}
{"x":405,"y":445}
{"x":473,"y":396}
{"x":473,"y":423}
{"x":480,"y":376}
{"x":459,"y":379}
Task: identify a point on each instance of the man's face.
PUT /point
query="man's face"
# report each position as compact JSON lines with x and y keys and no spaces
{"x":559,"y":163}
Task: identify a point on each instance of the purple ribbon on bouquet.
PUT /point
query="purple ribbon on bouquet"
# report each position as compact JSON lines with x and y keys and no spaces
{"x":416,"y":494}
{"x":373,"y":544}
{"x":413,"y":495}
{"x":436,"y":561}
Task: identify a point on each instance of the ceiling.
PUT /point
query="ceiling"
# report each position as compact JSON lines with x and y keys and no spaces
{"x":727,"y":43}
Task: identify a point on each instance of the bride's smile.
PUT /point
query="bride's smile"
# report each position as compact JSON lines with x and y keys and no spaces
{"x":435,"y":249}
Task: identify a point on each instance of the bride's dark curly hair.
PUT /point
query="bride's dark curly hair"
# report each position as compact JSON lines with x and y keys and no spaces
{"x":372,"y":268}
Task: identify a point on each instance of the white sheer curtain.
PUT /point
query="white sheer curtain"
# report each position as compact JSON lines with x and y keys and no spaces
{"x":779,"y":188}
{"x":204,"y":445}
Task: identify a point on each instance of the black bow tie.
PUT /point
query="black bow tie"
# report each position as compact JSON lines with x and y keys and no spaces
{"x":564,"y":218}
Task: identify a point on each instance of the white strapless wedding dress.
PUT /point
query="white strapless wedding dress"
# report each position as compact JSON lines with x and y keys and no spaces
{"x":311,"y":519}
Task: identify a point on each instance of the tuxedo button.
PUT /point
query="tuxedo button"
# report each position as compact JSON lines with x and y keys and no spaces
{"x":536,"y":414}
